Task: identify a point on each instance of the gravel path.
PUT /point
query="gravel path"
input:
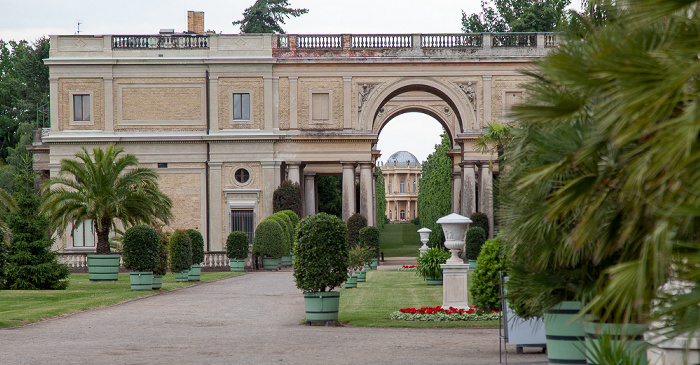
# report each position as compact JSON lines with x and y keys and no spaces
{"x":248,"y":319}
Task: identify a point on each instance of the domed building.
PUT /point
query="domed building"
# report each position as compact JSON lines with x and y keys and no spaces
{"x":401,"y":174}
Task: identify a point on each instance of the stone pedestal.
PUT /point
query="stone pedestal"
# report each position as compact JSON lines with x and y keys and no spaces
{"x":454,"y":286}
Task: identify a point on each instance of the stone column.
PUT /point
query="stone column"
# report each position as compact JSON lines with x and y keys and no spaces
{"x":309,"y":193}
{"x":294,"y":172}
{"x":487,"y":100}
{"x":456,"y":192}
{"x":348,"y":189}
{"x":468,"y":189}
{"x":486,"y":194}
{"x":366,"y":190}
{"x":278,"y":174}
{"x":268,"y":187}
{"x":216,"y":214}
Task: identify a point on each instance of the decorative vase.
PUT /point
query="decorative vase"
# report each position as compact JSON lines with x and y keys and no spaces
{"x":103,"y":267}
{"x":286,"y":260}
{"x":351,"y":282}
{"x":321,"y":306}
{"x":271,"y":263}
{"x":141,"y":280}
{"x":361,"y":276}
{"x":182,"y":275}
{"x":237,"y":265}
{"x":632,"y":333}
{"x":434,"y":281}
{"x":195,"y":272}
{"x":157,"y":282}
{"x":564,"y":337}
{"x":455,"y":228}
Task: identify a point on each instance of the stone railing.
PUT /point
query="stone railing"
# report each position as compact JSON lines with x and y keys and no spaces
{"x":381,"y":41}
{"x":78,"y":260}
{"x":514,"y":40}
{"x":161,"y":41}
{"x":451,"y":40}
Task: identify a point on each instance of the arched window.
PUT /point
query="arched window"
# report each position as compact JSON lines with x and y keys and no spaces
{"x":390,"y":215}
{"x":414,"y":187}
{"x":403,"y":215}
{"x":389,"y":187}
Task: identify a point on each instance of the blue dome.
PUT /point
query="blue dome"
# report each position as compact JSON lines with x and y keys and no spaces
{"x":402,"y":158}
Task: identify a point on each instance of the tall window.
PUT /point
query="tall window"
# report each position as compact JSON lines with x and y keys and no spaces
{"x":84,"y":234}
{"x":403,"y":215}
{"x":242,"y":220}
{"x":402,"y":187}
{"x":241,"y":106}
{"x":390,"y":215}
{"x":81,"y":107}
{"x":389,"y":187}
{"x":414,"y":186}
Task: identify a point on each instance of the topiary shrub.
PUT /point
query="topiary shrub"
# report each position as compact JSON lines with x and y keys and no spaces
{"x":480,"y":220}
{"x":197,"y":242}
{"x":237,"y":245}
{"x":321,"y":253}
{"x":356,"y":222}
{"x":474,"y":240}
{"x":180,"y":248}
{"x":294,"y":218}
{"x":288,"y":229}
{"x":162,"y":267}
{"x":269,"y":239}
{"x":369,"y":237}
{"x":429,"y":262}
{"x":140,"y":248}
{"x":287,"y":197}
{"x":485,"y":283}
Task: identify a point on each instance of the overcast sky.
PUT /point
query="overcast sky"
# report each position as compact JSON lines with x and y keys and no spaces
{"x":416,"y":133}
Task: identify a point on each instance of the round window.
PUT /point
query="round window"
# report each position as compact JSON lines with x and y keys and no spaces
{"x":242,"y":176}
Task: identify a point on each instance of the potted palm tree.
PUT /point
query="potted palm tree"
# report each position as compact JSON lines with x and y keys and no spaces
{"x":321,"y":264}
{"x":268,"y":243}
{"x":106,"y":190}
{"x":429,"y":265}
{"x":237,"y":249}
{"x":140,"y":248}
{"x":180,"y":249}
{"x":197,"y":242}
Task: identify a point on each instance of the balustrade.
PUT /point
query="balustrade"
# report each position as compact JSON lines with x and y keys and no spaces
{"x":320,"y":41}
{"x":78,"y":260}
{"x":382,"y":41}
{"x":514,"y":39}
{"x":451,"y":40}
{"x":179,"y":41}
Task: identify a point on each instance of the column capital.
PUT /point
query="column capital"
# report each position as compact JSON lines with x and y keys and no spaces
{"x":366,"y":164}
{"x":348,"y":164}
{"x":215,"y":165}
{"x":468,"y":164}
{"x":309,"y":174}
{"x":267,"y":164}
{"x":293,"y":163}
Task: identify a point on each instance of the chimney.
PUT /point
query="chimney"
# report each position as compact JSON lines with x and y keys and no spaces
{"x":195,"y":22}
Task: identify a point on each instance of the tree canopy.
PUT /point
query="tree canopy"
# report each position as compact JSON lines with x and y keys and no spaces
{"x":265,"y":16}
{"x":435,"y":190}
{"x":515,"y":16}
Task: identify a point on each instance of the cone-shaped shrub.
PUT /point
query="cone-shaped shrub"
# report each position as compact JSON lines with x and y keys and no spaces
{"x":162,"y":267}
{"x":484,"y":288}
{"x":269,"y":239}
{"x":321,"y":253}
{"x":140,"y":248}
{"x":474,"y":240}
{"x":286,"y":225}
{"x":197,"y":242}
{"x":356,"y":222}
{"x":180,"y":251}
{"x":287,"y":197}
{"x":369,"y":237}
{"x":237,"y":245}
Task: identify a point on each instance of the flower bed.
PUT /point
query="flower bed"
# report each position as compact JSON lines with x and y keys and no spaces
{"x":438,"y":314}
{"x":408,"y":268}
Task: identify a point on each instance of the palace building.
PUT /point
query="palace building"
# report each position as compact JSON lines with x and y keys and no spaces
{"x":402,"y":171}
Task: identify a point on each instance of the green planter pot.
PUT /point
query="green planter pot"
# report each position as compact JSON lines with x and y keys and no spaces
{"x":321,"y":306}
{"x":374,"y":264}
{"x":103,"y":267}
{"x":368,"y":266}
{"x":361,"y":276}
{"x":564,"y":337}
{"x":351,"y":282}
{"x":271,"y":263}
{"x":141,"y":280}
{"x":286,"y":260}
{"x":182,"y":275}
{"x":472,"y":265}
{"x":434,"y":281}
{"x":632,"y":333}
{"x":195,"y":272}
{"x":237,"y":265}
{"x":157,"y":282}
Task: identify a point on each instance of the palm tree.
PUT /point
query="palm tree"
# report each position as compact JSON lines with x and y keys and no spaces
{"x":107,"y":191}
{"x":494,"y":139}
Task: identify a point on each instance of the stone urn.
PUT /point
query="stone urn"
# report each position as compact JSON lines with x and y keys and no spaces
{"x":455,"y":228}
{"x":424,"y":235}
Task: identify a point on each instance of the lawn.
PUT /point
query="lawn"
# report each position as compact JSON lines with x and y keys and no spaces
{"x":18,"y":307}
{"x":386,"y":291}
{"x":400,"y":240}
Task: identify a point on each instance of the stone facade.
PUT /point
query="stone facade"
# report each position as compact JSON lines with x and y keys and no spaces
{"x":316,"y":106}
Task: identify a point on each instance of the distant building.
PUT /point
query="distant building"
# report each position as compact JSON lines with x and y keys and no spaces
{"x":401,"y":174}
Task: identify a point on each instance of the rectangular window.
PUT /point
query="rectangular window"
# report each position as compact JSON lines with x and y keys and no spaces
{"x":81,"y":107}
{"x":320,"y":103}
{"x":241,"y":106}
{"x":84,"y":235}
{"x":402,"y":187}
{"x":242,"y":220}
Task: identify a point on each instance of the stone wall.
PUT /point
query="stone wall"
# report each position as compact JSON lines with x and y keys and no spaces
{"x":68,"y":87}
{"x":253,"y":86}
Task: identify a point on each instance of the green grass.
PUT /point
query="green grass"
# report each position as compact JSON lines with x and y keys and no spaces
{"x":19,"y":307}
{"x":386,"y":291}
{"x":400,"y":240}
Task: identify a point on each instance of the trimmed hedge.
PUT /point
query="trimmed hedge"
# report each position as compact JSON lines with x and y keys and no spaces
{"x":180,"y":251}
{"x":237,"y":245}
{"x":369,"y":237}
{"x":321,"y":253}
{"x":287,"y":226}
{"x":294,"y":218}
{"x":197,"y":242}
{"x":485,"y":283}
{"x":480,"y":220}
{"x":356,"y":222}
{"x":140,"y":248}
{"x":269,"y":239}
{"x":162,"y":267}
{"x":474,"y":240}
{"x":287,"y":197}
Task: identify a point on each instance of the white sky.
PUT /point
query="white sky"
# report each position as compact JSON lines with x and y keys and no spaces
{"x":31,"y":19}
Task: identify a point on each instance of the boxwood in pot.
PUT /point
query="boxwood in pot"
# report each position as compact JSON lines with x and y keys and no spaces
{"x":180,"y":249}
{"x":268,"y":241}
{"x":237,"y":249}
{"x":162,"y":267}
{"x":140,"y":249}
{"x":197,"y":242}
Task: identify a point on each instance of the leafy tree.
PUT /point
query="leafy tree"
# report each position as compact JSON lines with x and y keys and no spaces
{"x":106,"y":190}
{"x":435,"y":190}
{"x":330,"y":196}
{"x":265,"y":16}
{"x":381,"y":199}
{"x":31,"y":263}
{"x":515,"y":16}
{"x":287,"y":197}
